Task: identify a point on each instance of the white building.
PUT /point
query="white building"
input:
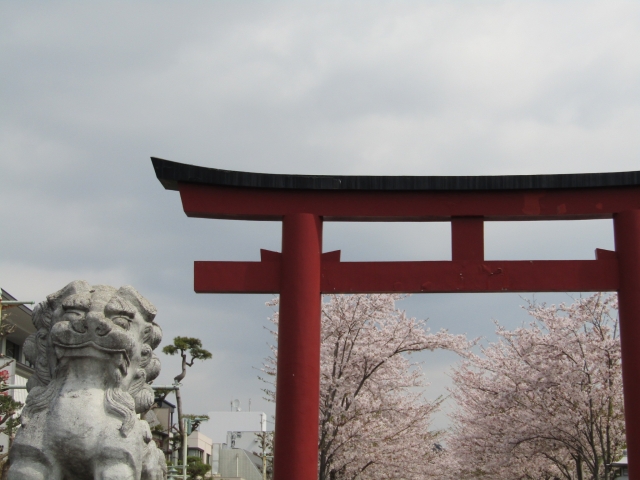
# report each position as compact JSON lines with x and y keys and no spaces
{"x":234,"y":443}
{"x":620,"y":468}
{"x":13,"y":362}
{"x":11,"y":347}
{"x":199,"y":445}
{"x":220,"y":423}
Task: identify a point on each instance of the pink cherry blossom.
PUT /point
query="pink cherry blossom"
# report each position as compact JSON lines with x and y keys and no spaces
{"x":545,"y":400}
{"x":373,"y":422}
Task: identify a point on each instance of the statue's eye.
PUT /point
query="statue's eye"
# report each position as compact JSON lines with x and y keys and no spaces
{"x":122,"y":322}
{"x":73,"y":314}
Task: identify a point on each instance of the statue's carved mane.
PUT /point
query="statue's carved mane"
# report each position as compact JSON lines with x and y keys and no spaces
{"x":49,"y":374}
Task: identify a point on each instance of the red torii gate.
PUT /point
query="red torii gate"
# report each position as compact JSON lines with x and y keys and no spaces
{"x":301,"y":273}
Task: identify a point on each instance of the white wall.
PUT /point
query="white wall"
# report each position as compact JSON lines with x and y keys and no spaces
{"x":220,"y":423}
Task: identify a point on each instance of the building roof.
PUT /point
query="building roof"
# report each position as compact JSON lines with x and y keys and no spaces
{"x":623,"y":462}
{"x":20,"y":316}
{"x":170,"y":173}
{"x":162,"y":403}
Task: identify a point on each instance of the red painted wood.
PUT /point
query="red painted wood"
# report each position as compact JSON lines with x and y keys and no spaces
{"x":602,"y":254}
{"x":333,"y":256}
{"x":236,"y":277}
{"x":467,"y":277}
{"x":419,"y":277}
{"x":627,"y":241}
{"x":300,"y":274}
{"x":467,"y":238}
{"x":270,"y":256}
{"x":262,"y":204}
{"x":298,"y":378}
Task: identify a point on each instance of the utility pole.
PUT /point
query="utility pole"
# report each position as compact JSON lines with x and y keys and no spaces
{"x":186,"y":425}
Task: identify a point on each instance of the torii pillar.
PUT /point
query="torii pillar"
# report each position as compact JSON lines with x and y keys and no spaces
{"x":301,"y":273}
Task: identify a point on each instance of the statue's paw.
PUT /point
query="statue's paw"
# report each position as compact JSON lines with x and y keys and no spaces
{"x":146,"y":432}
{"x":155,"y":474}
{"x":29,"y":470}
{"x":116,"y":471}
{"x":155,"y":466}
{"x":160,"y":475}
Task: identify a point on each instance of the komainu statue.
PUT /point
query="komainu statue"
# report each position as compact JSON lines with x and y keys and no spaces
{"x":93,"y":359}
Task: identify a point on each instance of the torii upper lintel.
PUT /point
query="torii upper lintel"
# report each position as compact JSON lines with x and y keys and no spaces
{"x":302,"y":272}
{"x":213,"y":193}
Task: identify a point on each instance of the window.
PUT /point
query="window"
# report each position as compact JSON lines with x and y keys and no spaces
{"x":194,"y":452}
{"x":13,"y":350}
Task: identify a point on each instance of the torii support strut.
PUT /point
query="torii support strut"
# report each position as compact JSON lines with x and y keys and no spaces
{"x":301,"y":273}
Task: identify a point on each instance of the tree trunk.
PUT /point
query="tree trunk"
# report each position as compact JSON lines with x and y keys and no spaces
{"x":323,"y":473}
{"x":177,"y":380}
{"x":579,"y":468}
{"x":179,"y":405}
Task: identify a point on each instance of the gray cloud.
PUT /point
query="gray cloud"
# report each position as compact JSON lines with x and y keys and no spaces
{"x":91,"y":91}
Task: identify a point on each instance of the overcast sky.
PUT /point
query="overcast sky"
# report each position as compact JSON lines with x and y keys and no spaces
{"x":90,"y":90}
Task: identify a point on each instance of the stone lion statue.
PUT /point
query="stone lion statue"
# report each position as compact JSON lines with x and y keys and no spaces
{"x":93,"y":358}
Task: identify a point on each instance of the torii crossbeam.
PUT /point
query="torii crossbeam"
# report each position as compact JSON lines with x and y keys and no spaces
{"x":301,"y":273}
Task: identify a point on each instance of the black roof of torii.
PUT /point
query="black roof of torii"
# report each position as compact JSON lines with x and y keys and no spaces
{"x":170,"y":173}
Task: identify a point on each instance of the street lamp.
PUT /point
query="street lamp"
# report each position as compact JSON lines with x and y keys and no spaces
{"x":173,"y":473}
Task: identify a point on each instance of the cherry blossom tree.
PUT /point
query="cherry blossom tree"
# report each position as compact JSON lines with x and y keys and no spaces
{"x":373,"y":419}
{"x":545,"y":400}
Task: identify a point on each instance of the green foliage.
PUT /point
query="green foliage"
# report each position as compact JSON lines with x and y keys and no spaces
{"x":161,"y":394}
{"x":265,"y":452}
{"x":185,"y":346}
{"x":176,"y":440}
{"x":6,"y":328}
{"x":182,"y":345}
{"x":196,"y":420}
{"x":8,"y":407}
{"x":193,"y":416}
{"x":196,"y":469}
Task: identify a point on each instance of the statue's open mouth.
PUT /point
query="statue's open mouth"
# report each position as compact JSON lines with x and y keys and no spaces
{"x":92,"y":349}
